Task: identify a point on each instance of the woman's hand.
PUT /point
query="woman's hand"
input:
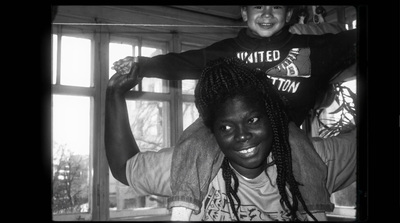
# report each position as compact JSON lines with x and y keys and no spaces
{"x":123,"y":66}
{"x":120,"y":82}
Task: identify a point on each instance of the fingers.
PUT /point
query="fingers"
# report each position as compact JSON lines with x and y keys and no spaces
{"x":125,"y":81}
{"x":123,"y":66}
{"x":126,"y":76}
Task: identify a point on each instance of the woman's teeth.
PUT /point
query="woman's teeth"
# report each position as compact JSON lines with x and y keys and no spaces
{"x":247,"y":150}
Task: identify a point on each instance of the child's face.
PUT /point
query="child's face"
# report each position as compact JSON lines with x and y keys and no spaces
{"x":244,"y":135}
{"x":265,"y":20}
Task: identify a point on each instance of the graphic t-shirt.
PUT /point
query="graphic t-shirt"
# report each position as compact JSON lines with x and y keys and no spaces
{"x":259,"y":197}
{"x":149,"y":173}
{"x":299,"y":66}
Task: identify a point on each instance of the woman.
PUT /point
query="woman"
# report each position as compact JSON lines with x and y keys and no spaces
{"x":248,"y":120}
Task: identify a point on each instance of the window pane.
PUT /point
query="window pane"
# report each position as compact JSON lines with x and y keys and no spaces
{"x":151,"y":51}
{"x":75,"y":61}
{"x":54,"y":59}
{"x":153,"y":84}
{"x":71,"y":146}
{"x":148,"y":121}
{"x":188,"y":86}
{"x":190,"y":114}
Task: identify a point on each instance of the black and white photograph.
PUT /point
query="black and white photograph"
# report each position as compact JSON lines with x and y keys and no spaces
{"x":206,"y":113}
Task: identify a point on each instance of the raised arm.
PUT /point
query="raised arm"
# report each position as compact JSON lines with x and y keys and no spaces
{"x":171,"y":66}
{"x":179,"y":66}
{"x":119,"y":142}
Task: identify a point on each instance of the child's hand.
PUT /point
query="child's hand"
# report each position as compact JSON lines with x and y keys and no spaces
{"x":123,"y":66}
{"x":120,"y":83}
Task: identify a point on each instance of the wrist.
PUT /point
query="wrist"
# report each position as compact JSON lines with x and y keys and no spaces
{"x":112,"y":92}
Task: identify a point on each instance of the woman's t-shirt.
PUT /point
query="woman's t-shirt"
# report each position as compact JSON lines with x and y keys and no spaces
{"x":260,"y":199}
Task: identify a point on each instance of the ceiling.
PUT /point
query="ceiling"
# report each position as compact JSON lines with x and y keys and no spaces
{"x":233,"y":11}
{"x":223,"y":11}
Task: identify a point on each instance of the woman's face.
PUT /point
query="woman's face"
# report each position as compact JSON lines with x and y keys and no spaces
{"x":265,"y":20}
{"x":244,"y":135}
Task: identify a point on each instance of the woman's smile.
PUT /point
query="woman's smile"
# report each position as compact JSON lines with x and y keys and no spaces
{"x":243,"y":133}
{"x":247,"y":153}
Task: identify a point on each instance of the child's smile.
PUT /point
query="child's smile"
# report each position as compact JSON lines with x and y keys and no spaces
{"x":265,"y":20}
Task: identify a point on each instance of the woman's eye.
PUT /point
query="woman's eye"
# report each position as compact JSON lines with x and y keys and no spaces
{"x":225,"y":128}
{"x":278,"y":7}
{"x":253,"y":120}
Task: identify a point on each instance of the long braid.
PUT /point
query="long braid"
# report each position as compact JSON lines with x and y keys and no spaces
{"x":286,"y":164}
{"x":229,"y":77}
{"x":228,"y":174}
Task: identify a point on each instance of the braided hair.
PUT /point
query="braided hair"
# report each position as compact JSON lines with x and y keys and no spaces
{"x":229,"y":77}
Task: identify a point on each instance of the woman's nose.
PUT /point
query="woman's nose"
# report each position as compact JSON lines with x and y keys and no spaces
{"x":242,"y":135}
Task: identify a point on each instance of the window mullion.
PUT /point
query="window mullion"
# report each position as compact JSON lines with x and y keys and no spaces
{"x":58,"y":74}
{"x":100,"y":187}
{"x":140,"y":54}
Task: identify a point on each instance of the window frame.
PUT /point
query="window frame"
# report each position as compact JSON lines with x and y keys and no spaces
{"x":99,"y":169}
{"x":59,"y":89}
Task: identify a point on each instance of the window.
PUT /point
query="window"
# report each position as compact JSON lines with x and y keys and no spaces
{"x":79,"y":176}
{"x":352,"y":25}
{"x":153,"y":84}
{"x":149,"y":121}
{"x":71,"y":125}
{"x":189,"y":110}
{"x":119,"y":51}
{"x":71,"y":131}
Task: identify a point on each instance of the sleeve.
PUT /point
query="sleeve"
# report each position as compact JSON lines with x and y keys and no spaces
{"x":180,"y":214}
{"x":334,"y":52}
{"x":149,"y":172}
{"x":185,"y":65}
{"x":339,"y":153}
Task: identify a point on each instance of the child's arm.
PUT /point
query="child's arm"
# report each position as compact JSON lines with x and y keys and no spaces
{"x":171,"y":66}
{"x":338,"y":51}
{"x":176,"y":66}
{"x":119,"y":142}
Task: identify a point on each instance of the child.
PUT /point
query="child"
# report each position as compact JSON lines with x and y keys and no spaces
{"x":299,"y":66}
{"x":248,"y":119}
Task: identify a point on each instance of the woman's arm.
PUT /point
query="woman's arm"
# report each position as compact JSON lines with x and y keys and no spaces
{"x":119,"y":142}
{"x":339,"y":153}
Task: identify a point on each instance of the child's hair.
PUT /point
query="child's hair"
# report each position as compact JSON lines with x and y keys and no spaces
{"x":229,"y":77}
